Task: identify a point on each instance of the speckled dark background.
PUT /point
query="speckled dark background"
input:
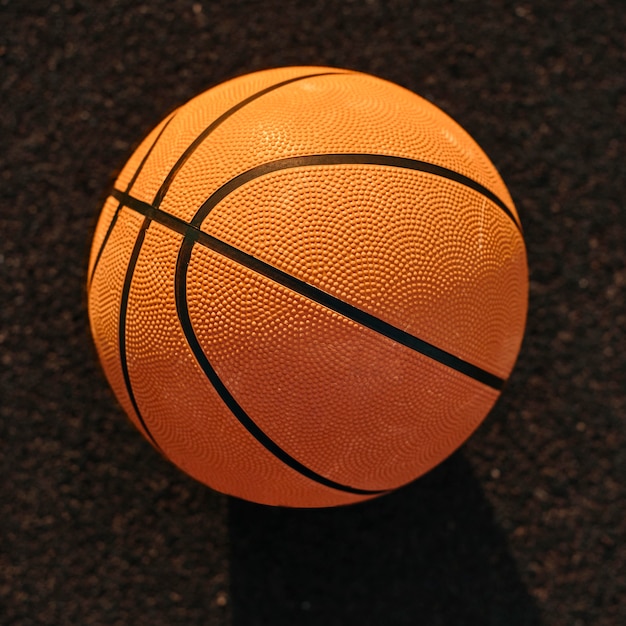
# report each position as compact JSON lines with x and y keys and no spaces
{"x":524,"y":525}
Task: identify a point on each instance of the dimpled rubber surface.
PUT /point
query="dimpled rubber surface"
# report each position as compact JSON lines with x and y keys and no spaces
{"x":326,"y":110}
{"x":180,"y":406}
{"x":255,"y":389}
{"x":348,"y":402}
{"x":425,"y":254}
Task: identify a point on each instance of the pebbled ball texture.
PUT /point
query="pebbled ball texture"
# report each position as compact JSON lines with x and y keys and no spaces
{"x":298,"y":329}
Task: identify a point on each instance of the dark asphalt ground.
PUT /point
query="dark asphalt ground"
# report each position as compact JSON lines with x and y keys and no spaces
{"x":524,"y":525}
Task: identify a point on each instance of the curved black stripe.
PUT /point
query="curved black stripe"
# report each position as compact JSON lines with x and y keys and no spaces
{"x":313,"y":293}
{"x":209,"y":129}
{"x":183,"y":314}
{"x":345,"y":159}
{"x":122,"y":328}
{"x":119,"y":207}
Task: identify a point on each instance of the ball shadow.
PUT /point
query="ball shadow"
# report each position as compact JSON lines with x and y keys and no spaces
{"x":430,"y":554}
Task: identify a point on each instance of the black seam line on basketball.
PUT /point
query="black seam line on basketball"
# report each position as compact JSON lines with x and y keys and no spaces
{"x":346,"y":159}
{"x":313,"y":293}
{"x":128,"y":189}
{"x":122,"y":329}
{"x":158,"y":199}
{"x":229,"y":400}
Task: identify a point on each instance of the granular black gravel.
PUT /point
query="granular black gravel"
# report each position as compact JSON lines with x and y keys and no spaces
{"x":524,"y":525}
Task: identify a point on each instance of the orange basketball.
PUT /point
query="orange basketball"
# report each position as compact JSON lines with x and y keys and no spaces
{"x":307,"y":286}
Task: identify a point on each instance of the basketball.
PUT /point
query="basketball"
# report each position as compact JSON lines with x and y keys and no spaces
{"x":307,"y":287}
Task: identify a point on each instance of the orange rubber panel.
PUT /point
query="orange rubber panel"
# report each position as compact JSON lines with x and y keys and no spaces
{"x":421,"y":252}
{"x":307,"y":110}
{"x":346,"y":401}
{"x":184,"y":413}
